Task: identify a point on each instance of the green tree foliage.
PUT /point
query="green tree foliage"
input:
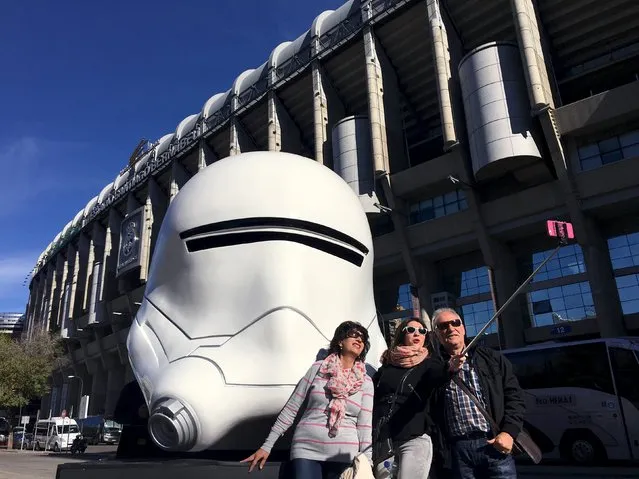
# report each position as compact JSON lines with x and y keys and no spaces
{"x":25,"y":367}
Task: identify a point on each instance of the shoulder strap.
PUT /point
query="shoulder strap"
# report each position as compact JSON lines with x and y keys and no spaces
{"x":457,"y":380}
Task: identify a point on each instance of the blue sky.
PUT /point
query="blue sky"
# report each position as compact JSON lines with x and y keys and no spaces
{"x":83,"y":82}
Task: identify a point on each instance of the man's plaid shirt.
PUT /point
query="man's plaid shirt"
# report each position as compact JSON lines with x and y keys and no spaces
{"x":462,"y":414}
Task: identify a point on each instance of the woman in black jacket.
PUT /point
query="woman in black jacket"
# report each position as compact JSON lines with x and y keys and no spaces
{"x":403,"y":384}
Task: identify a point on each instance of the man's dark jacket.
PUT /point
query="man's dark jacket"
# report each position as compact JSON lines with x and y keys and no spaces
{"x":500,"y":390}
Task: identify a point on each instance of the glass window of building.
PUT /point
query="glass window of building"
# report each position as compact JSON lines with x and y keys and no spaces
{"x":628,"y":288}
{"x":624,"y":250}
{"x":438,"y":206}
{"x":571,"y":302}
{"x":404,"y":298}
{"x":474,"y":281}
{"x":476,"y":315}
{"x":610,"y":150}
{"x":567,"y":262}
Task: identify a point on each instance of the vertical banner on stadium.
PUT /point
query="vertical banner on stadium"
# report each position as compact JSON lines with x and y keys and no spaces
{"x":129,"y":252}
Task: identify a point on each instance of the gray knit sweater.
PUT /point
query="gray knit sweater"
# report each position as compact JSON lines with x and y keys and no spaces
{"x":311,"y":439}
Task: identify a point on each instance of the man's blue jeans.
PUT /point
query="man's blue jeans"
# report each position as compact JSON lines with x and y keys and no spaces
{"x":476,"y":459}
{"x":309,"y":469}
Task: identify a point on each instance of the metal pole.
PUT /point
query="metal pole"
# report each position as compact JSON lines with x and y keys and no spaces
{"x":509,"y":300}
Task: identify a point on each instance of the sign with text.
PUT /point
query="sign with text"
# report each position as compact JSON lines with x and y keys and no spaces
{"x":131,"y":230}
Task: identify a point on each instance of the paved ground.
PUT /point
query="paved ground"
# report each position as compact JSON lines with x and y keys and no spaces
{"x":42,"y":465}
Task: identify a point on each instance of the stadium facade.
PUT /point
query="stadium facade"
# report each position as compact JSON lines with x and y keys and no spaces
{"x":11,"y":323}
{"x":471,"y":122}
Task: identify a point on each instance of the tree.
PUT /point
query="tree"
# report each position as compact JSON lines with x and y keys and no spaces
{"x":26,"y":365}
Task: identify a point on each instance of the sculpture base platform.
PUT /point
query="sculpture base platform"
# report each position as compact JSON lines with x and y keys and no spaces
{"x":168,"y":469}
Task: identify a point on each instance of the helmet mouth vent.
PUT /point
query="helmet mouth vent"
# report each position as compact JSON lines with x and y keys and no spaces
{"x":171,"y":426}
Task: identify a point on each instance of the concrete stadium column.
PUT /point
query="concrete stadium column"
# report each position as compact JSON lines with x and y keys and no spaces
{"x":115,"y":383}
{"x":61,"y":299}
{"x":179,"y":176}
{"x":49,"y":294}
{"x":384,"y":102}
{"x":98,"y":389}
{"x":156,"y":205}
{"x":283,"y":132}
{"x":512,"y":323}
{"x":328,"y":109}
{"x":72,"y":252}
{"x":532,"y":54}
{"x":241,"y":141}
{"x":206,"y":155}
{"x":82,"y":267}
{"x":443,"y":74}
{"x":589,"y":236}
{"x":109,"y":284}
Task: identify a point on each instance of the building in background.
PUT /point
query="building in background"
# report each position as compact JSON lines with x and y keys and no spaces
{"x":12,"y":323}
{"x":473,"y":121}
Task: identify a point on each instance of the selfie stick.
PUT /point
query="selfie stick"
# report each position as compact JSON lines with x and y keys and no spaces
{"x":555,"y":228}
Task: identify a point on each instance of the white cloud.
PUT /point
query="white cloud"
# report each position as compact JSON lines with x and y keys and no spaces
{"x":13,"y":270}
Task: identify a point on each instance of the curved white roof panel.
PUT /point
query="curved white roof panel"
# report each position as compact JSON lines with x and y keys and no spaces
{"x":294,"y":47}
{"x":92,"y":202}
{"x":105,"y":192}
{"x":186,"y":126}
{"x":237,"y":84}
{"x":65,"y":230}
{"x":273,"y":59}
{"x":57,"y":237}
{"x":163,"y":144}
{"x":215,"y":103}
{"x":316,"y":27}
{"x":352,"y":7}
{"x":122,"y":178}
{"x":251,"y":78}
{"x":139,"y":166}
{"x":78,"y":218}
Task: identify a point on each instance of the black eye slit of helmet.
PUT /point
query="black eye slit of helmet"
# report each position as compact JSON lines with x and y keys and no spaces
{"x":229,"y":233}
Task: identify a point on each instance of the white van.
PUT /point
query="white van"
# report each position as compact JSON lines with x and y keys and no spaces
{"x":56,"y":433}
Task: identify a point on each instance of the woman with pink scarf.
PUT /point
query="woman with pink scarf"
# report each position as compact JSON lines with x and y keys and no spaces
{"x":336,"y":424}
{"x":402,"y":386}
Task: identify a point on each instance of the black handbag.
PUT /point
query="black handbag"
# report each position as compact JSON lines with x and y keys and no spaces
{"x":383,"y":449}
{"x":523,"y":443}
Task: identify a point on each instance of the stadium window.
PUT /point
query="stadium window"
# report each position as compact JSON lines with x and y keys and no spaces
{"x":474,"y":281}
{"x":624,"y":250}
{"x":476,"y":315}
{"x":571,"y":302}
{"x":628,"y":289}
{"x":609,"y":150}
{"x":569,"y":261}
{"x":438,"y":206}
{"x":404,"y":298}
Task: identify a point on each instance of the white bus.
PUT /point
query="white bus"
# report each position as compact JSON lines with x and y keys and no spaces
{"x":582,"y":398}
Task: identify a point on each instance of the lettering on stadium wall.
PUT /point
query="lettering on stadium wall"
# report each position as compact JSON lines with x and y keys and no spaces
{"x":153,"y":166}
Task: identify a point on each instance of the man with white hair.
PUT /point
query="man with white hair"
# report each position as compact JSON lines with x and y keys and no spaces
{"x":468,"y":446}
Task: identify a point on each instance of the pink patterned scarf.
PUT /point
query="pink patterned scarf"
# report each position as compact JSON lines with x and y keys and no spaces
{"x":405,"y":356}
{"x":341,"y":384}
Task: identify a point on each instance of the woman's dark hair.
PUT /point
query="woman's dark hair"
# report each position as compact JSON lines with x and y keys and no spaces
{"x":341,"y":333}
{"x":398,"y":340}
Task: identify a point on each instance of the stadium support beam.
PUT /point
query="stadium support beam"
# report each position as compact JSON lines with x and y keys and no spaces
{"x":156,"y":205}
{"x":328,"y":108}
{"x":74,"y":271}
{"x":385,"y":99}
{"x":95,"y":254}
{"x":595,"y":248}
{"x":283,"y":133}
{"x":82,"y":267}
{"x":443,"y":74}
{"x":532,"y":54}
{"x":179,"y":177}
{"x":64,"y":271}
{"x":206,"y":155}
{"x":241,"y":140}
{"x":109,"y":285}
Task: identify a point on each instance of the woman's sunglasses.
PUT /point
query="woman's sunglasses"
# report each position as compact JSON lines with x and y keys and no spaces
{"x":412,"y":329}
{"x":354,"y":333}
{"x":443,"y":326}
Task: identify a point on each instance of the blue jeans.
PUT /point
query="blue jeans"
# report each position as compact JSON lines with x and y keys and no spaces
{"x":309,"y":469}
{"x":475,"y":459}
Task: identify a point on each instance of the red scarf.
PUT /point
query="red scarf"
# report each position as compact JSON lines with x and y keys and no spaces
{"x":405,"y":356}
{"x":341,"y":384}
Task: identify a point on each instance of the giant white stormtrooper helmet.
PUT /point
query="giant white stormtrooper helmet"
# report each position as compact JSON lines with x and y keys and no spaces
{"x":259,"y":258}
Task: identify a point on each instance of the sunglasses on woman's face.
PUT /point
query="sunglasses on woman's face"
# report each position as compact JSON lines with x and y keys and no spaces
{"x":443,"y":326}
{"x":412,"y":329}
{"x":355,"y":334}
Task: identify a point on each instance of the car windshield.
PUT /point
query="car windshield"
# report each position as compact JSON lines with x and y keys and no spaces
{"x":68,"y":429}
{"x":111,"y":429}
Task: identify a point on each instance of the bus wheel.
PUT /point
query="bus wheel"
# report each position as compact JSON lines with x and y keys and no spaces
{"x":582,"y":447}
